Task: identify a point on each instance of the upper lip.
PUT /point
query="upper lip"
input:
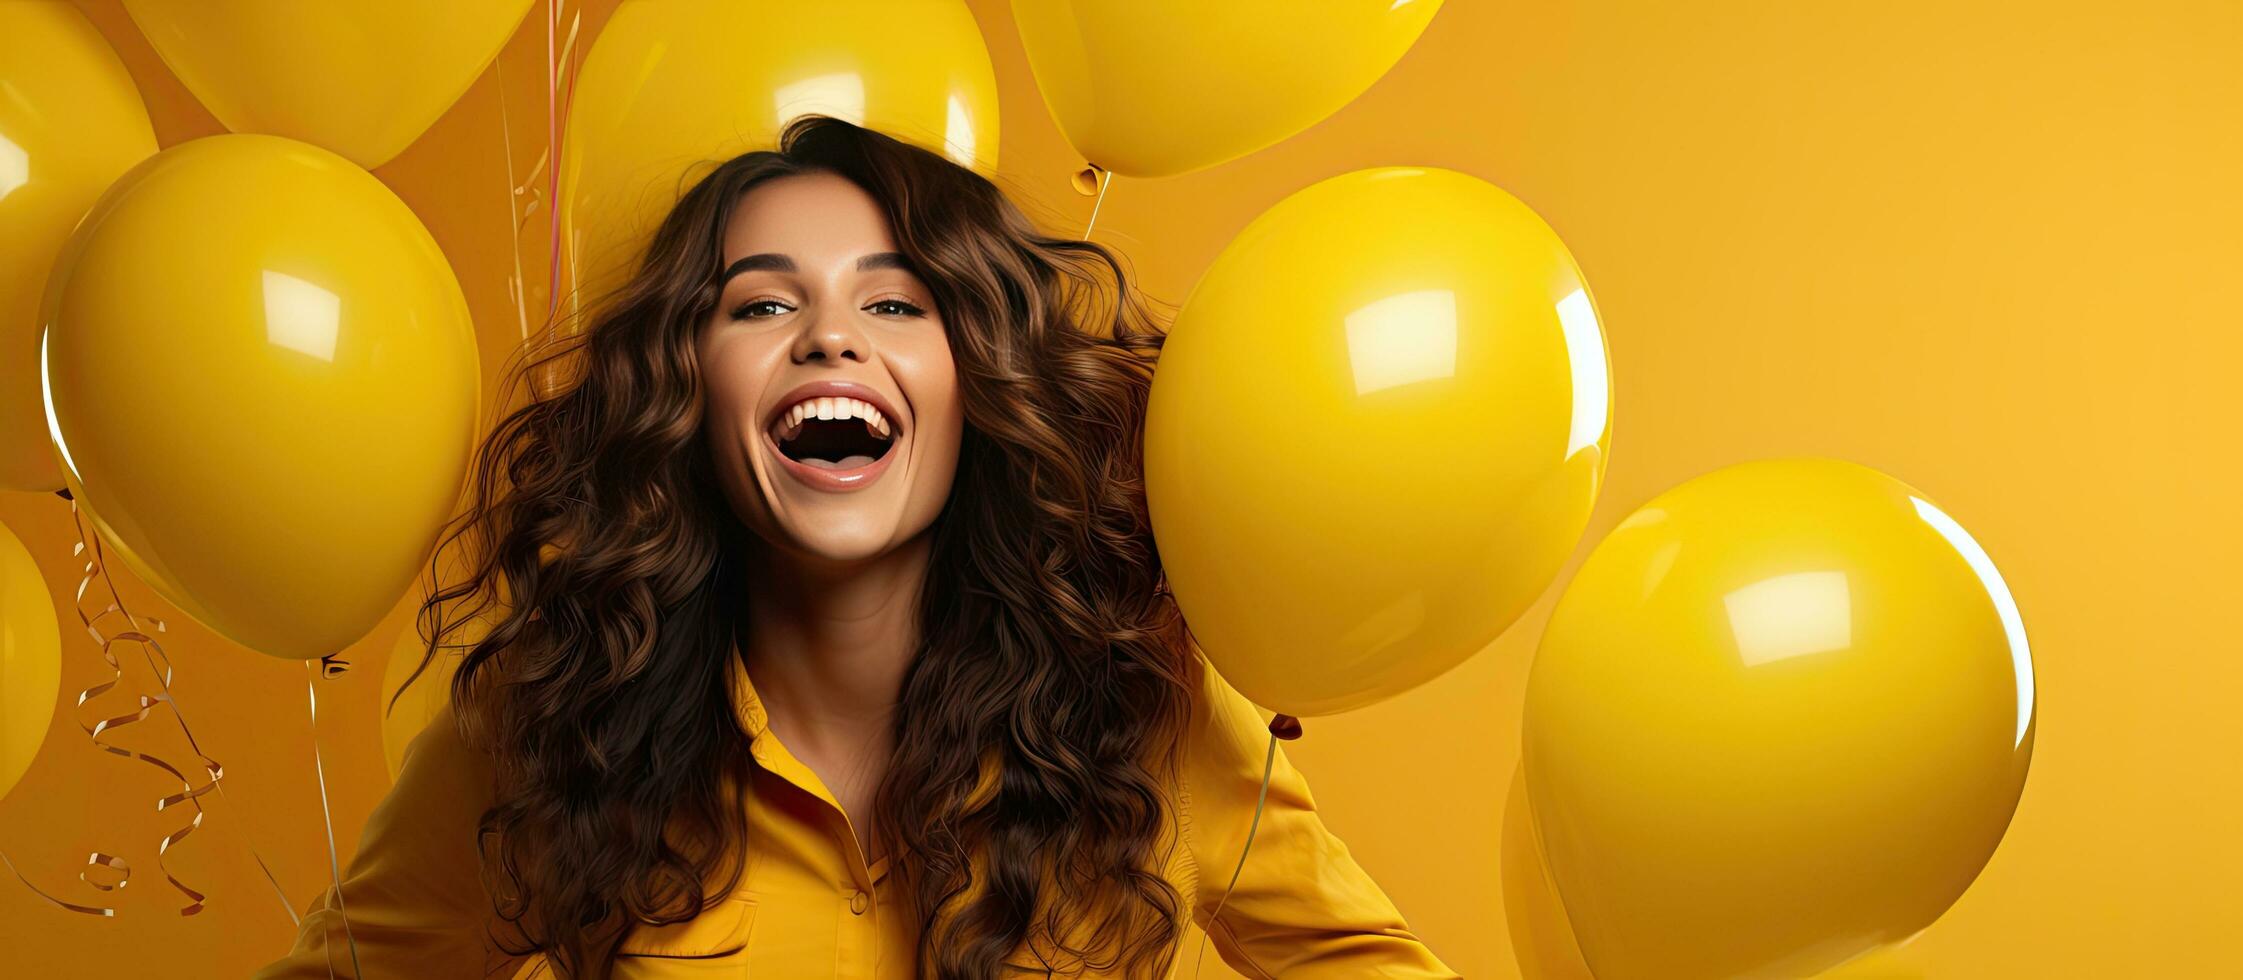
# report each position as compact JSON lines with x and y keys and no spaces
{"x":837,"y":389}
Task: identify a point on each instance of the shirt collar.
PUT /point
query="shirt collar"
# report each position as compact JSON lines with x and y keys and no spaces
{"x":770,"y":753}
{"x":746,"y":706}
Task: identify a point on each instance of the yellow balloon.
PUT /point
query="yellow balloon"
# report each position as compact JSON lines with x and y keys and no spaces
{"x":264,"y":385}
{"x":1780,"y":717}
{"x":70,"y":122}
{"x":30,"y":660}
{"x":1156,"y":88}
{"x":1886,"y":963}
{"x":673,"y":87}
{"x":363,"y":78}
{"x":1376,"y":430}
{"x":1541,"y":938}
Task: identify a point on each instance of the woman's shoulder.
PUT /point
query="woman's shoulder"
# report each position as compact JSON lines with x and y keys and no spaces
{"x":1296,"y":902}
{"x":1225,"y":749}
{"x":1226,"y":732}
{"x":441,"y":768}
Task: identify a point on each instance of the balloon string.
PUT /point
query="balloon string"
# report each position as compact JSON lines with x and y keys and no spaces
{"x":560,"y":93}
{"x":1105,"y":177}
{"x":557,"y":104}
{"x":1268,"y":760}
{"x":516,"y":289}
{"x":327,"y":815}
{"x":98,"y":567}
{"x":552,"y":140}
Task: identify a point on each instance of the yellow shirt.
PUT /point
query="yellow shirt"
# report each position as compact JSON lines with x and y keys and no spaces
{"x":808,"y":905}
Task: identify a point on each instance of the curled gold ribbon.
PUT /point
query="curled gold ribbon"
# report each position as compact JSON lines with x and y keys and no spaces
{"x":189,"y":793}
{"x":95,"y":570}
{"x":96,"y":859}
{"x":151,"y":649}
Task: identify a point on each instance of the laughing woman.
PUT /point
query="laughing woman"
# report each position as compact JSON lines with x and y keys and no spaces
{"x":819,"y":631}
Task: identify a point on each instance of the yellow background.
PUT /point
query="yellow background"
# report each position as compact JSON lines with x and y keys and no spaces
{"x":1989,"y":248}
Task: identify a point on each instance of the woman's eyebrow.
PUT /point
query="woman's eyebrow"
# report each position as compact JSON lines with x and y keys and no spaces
{"x":772,"y":261}
{"x":776,"y":262}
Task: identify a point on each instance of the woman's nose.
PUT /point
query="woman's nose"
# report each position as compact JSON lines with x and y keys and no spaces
{"x":831,"y":337}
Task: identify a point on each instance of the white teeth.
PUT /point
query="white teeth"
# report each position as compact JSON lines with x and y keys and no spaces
{"x":836,"y":408}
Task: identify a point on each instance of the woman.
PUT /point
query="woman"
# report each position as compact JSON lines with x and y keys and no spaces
{"x":857,"y":432}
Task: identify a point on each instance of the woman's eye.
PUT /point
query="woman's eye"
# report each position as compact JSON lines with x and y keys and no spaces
{"x":746,"y":311}
{"x":900,"y":307}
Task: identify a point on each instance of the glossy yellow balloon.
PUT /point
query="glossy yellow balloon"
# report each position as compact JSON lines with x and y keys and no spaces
{"x":1155,"y":88}
{"x":1376,"y":431}
{"x":363,"y":78}
{"x":1541,"y":939}
{"x":1888,"y":963}
{"x":673,"y":87}
{"x":30,"y":660}
{"x":70,"y":122}
{"x":1780,"y":717}
{"x":264,"y":385}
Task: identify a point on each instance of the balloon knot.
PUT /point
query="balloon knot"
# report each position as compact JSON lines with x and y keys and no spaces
{"x":1286,"y":727}
{"x":1087,"y":179}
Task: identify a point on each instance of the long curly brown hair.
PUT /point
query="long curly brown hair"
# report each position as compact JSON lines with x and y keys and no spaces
{"x":605,"y":570}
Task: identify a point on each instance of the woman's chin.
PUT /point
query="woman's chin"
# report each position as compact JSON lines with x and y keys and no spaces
{"x":839,"y":538}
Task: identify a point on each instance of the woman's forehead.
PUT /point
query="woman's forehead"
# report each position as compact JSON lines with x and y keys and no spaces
{"x":818,"y":219}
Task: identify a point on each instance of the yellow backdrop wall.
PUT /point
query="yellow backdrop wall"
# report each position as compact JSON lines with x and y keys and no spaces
{"x":1991,"y":249}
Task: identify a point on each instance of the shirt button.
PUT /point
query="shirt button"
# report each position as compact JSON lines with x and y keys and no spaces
{"x":859,"y":901}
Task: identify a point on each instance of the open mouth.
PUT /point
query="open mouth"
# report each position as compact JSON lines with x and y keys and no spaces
{"x":833,"y":434}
